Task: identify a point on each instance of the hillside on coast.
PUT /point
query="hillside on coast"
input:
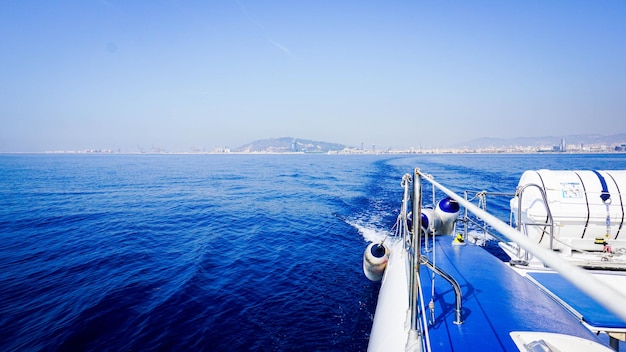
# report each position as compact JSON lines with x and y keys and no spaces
{"x":289,"y":145}
{"x":299,"y":145}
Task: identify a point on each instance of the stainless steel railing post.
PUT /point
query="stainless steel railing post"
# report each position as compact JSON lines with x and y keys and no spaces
{"x":416,"y":241}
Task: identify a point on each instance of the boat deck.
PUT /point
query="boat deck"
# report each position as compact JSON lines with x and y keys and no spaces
{"x":496,"y":302}
{"x":579,"y":303}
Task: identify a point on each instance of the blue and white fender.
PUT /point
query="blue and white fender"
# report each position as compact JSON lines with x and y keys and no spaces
{"x":375,"y":261}
{"x":446,"y":213}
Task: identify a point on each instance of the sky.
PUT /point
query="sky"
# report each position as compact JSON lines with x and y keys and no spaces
{"x":192,"y":74}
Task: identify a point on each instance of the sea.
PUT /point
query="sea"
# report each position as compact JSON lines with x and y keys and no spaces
{"x":212,"y":252}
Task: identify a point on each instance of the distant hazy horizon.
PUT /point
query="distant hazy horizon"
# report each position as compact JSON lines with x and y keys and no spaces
{"x":591,"y":140}
{"x":179,"y":75}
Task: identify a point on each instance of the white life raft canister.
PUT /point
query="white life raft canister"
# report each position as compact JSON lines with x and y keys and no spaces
{"x":585,"y":206}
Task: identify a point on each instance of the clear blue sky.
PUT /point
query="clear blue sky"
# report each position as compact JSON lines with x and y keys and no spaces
{"x":182,"y":74}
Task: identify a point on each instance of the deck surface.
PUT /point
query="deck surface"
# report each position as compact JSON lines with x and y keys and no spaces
{"x":589,"y":310}
{"x":496,"y":301}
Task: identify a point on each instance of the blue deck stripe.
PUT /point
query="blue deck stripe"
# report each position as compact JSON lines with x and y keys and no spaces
{"x":592,"y":313}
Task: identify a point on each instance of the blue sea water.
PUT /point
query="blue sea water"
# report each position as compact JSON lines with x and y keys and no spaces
{"x":210,"y":252}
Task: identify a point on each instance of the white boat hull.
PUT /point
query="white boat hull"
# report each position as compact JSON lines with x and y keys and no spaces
{"x":390,"y":328}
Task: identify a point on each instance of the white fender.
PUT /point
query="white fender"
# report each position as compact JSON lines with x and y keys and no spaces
{"x":428,"y":218}
{"x":446,"y":213}
{"x":375,"y":261}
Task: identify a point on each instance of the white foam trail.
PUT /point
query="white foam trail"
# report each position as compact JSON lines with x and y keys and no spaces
{"x":370,"y":234}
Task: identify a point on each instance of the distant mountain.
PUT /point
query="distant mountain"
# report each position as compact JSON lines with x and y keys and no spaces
{"x":584,"y":139}
{"x":289,"y":145}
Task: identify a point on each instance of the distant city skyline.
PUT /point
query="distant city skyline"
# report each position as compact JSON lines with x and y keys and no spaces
{"x":577,"y":144}
{"x":179,"y":75}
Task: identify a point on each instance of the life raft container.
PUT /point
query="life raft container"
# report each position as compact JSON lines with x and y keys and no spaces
{"x":585,"y":205}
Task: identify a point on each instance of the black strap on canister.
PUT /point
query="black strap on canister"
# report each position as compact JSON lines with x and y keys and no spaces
{"x":621,"y":204}
{"x":606,"y":198}
{"x":586,"y":203}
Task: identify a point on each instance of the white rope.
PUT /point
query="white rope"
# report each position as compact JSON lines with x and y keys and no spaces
{"x":608,"y":218}
{"x":432,"y":230}
{"x":424,"y":320}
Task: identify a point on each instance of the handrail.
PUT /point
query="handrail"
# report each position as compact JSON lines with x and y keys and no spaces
{"x":416,"y":242}
{"x":455,"y":286}
{"x":406,"y":182}
{"x":482,"y":201}
{"x":607,"y":296}
{"x":549,"y":220}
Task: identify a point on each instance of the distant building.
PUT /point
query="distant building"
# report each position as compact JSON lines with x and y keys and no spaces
{"x":561,"y":147}
{"x":221,"y":150}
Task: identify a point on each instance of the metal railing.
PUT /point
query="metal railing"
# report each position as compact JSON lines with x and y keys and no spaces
{"x":607,"y":296}
{"x":523,"y":226}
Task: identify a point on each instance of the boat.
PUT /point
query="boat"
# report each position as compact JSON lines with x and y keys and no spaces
{"x":441,"y":291}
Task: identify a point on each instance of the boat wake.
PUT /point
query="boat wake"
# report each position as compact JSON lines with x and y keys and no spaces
{"x":369,"y":232}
